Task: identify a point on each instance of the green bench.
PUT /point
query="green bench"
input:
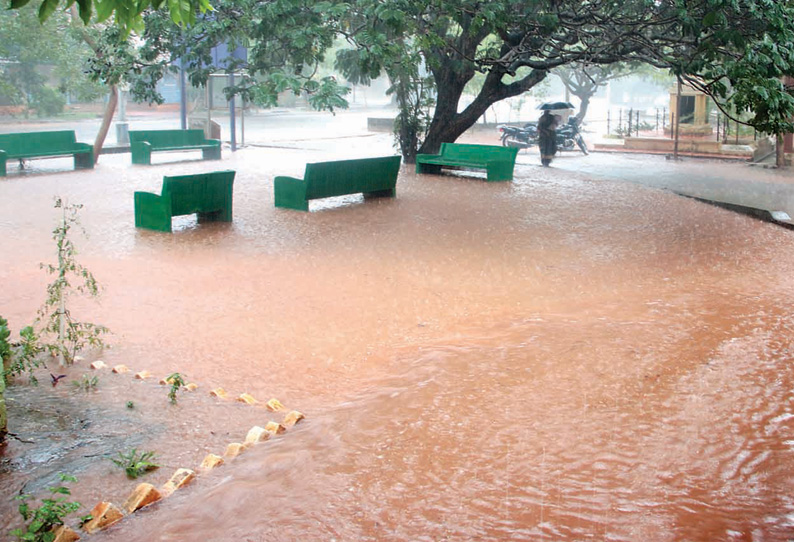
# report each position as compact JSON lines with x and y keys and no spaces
{"x":497,"y":161}
{"x":45,"y":145}
{"x":207,"y":194}
{"x":372,"y":176}
{"x":144,"y":142}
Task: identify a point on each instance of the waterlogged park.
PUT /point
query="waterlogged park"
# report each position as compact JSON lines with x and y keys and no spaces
{"x":294,"y":270}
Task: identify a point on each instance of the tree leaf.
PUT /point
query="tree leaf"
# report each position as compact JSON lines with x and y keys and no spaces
{"x":47,"y":8}
{"x":85,"y":10}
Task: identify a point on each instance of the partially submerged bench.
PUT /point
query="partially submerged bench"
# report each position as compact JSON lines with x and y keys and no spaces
{"x":372,"y":176}
{"x":207,"y":194}
{"x":497,"y":161}
{"x":45,"y":145}
{"x":144,"y":142}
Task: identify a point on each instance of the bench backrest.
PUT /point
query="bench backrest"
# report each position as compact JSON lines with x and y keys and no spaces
{"x":168,"y":138}
{"x":199,"y":192}
{"x":36,"y":142}
{"x":325,"y":179}
{"x":466,"y":151}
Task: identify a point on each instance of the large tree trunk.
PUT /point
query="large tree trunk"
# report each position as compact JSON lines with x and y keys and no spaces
{"x":113,"y":99}
{"x":110,"y":110}
{"x":780,"y":151}
{"x":585,"y":99}
{"x":448,"y":124}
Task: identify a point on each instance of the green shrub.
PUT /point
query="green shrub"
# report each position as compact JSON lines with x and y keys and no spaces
{"x":48,"y":102}
{"x":50,"y":514}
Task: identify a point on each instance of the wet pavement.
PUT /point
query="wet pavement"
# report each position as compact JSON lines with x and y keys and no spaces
{"x":562,"y":357}
{"x":723,"y":181}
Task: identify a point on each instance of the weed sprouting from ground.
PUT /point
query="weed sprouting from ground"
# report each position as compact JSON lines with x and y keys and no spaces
{"x":50,"y":514}
{"x":136,"y":464}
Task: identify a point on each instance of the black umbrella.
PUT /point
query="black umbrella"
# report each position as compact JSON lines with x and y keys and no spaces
{"x":556,"y":105}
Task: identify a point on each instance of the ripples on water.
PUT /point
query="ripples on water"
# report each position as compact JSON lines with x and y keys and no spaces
{"x":552,"y":358}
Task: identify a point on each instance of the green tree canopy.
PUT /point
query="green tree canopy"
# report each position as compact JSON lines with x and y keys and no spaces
{"x":126,"y":13}
{"x":40,"y":62}
{"x":734,"y":50}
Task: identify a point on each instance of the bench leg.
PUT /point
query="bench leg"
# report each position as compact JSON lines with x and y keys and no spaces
{"x":500,"y":172}
{"x":387,"y":193}
{"x":2,"y":167}
{"x":84,"y":160}
{"x":221,"y":215}
{"x":211,"y":154}
{"x":432,"y":169}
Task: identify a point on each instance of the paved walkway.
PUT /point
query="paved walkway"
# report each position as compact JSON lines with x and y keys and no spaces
{"x":767,"y":193}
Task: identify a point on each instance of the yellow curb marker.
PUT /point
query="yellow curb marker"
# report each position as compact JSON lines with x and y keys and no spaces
{"x":247,"y":399}
{"x":180,"y":478}
{"x":104,"y":514}
{"x":143,"y":495}
{"x":211,"y":461}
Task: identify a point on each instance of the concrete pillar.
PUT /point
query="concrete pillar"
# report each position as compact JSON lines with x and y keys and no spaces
{"x":700,"y":109}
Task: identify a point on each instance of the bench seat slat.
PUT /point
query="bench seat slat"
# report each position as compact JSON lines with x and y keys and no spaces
{"x":52,"y":152}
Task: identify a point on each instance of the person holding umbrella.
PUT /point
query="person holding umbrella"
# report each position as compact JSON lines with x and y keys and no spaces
{"x":547,"y":130}
{"x":547,"y":137}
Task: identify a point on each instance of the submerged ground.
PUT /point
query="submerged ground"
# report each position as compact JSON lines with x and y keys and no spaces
{"x":556,"y":357}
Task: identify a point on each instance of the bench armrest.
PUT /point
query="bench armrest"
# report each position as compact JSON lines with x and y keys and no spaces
{"x":290,"y":192}
{"x":152,"y":211}
{"x":141,"y":152}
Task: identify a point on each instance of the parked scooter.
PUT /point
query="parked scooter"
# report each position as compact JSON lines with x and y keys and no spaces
{"x":523,"y":138}
{"x":569,"y":135}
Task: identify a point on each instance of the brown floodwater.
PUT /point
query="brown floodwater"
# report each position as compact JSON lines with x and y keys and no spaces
{"x":554,"y":358}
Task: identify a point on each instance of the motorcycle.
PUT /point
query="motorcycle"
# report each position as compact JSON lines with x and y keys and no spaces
{"x":523,"y":138}
{"x":569,"y":135}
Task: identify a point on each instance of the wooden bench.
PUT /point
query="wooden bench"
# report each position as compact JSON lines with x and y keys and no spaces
{"x":144,"y":142}
{"x":208,"y":194}
{"x":497,"y":161}
{"x":372,"y":176}
{"x":45,"y":145}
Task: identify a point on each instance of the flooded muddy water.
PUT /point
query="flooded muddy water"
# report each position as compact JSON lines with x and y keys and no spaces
{"x":555,"y":358}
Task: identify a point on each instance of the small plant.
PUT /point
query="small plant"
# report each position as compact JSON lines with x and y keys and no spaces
{"x":25,"y":355}
{"x":86,"y":383}
{"x":41,"y":521}
{"x":130,"y":405}
{"x":176,"y":382}
{"x":70,"y":336}
{"x":5,"y":346}
{"x":134,"y":464}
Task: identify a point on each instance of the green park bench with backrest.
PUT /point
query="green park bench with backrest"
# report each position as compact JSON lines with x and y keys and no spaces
{"x":372,"y":176}
{"x":497,"y":161}
{"x":144,"y":142}
{"x":207,"y":194}
{"x":45,"y":145}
